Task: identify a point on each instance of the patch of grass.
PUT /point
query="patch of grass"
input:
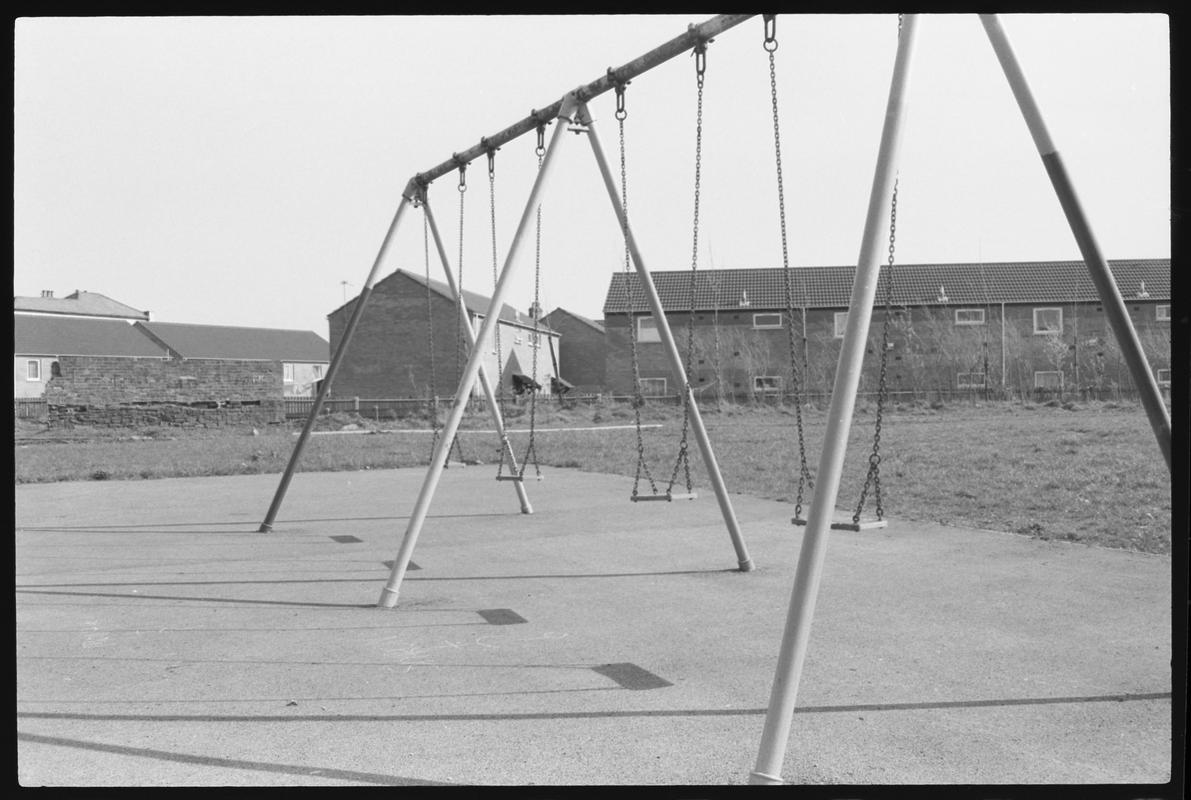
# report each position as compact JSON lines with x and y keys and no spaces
{"x":1094,"y":477}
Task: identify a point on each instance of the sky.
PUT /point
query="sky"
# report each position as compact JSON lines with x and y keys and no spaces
{"x":244,"y":170}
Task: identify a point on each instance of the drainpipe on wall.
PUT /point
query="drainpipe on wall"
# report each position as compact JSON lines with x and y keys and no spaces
{"x":1004,"y":366}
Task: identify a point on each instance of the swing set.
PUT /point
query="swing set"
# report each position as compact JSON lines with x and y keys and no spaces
{"x":572,"y":114}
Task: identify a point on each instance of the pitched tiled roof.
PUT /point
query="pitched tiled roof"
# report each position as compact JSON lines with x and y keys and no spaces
{"x":599,"y":326}
{"x":249,"y":344}
{"x":913,"y":285}
{"x":67,"y":336}
{"x":86,"y":304}
{"x":475,"y":302}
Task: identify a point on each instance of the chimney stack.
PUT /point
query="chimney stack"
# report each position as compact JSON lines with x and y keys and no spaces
{"x":47,"y":292}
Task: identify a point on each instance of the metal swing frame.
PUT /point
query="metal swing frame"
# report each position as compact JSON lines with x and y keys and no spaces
{"x":572,"y":108}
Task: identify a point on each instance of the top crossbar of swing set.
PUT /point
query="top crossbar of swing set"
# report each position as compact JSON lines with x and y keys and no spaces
{"x":695,"y":35}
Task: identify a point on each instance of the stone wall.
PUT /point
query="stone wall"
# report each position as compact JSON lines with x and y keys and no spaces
{"x":128,"y":392}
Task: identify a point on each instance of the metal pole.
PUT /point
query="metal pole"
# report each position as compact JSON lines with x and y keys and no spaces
{"x":659,"y":314}
{"x":388,"y":596}
{"x":336,"y":359}
{"x":623,"y":74}
{"x":843,"y":402}
{"x":489,"y":395}
{"x":1110,"y":296}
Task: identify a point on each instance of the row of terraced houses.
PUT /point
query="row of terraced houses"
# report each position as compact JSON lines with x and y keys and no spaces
{"x":1002,"y":328}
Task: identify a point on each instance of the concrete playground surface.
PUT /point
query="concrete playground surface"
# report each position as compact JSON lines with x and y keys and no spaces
{"x":162,"y":641}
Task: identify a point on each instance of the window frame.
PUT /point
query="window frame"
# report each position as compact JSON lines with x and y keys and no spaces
{"x":960,"y":383}
{"x":1158,"y":376}
{"x":982,"y":321}
{"x":653,"y":331}
{"x":773,"y":389}
{"x":287,"y":372}
{"x":652,"y":382}
{"x":757,"y":326}
{"x":33,"y":370}
{"x":1158,"y":312}
{"x":1058,"y":372}
{"x":1045,"y":331}
{"x":839,"y":329}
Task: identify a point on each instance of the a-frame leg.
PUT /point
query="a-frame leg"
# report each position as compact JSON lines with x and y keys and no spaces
{"x":336,"y":359}
{"x":388,"y":596}
{"x":676,"y":363}
{"x":800,"y":614}
{"x":489,"y":395}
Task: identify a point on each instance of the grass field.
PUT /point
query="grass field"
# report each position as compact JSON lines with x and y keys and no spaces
{"x":1082,"y":473}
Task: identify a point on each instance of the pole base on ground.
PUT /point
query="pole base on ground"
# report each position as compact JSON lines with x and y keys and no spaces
{"x":388,"y":598}
{"x":747,"y":565}
{"x":264,"y":528}
{"x":763,"y":779}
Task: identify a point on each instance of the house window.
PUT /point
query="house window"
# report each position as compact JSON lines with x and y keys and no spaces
{"x":287,"y":373}
{"x":767,"y":384}
{"x":969,"y":380}
{"x":969,"y":316}
{"x":1048,"y":380}
{"x":647,"y":330}
{"x":1164,"y":313}
{"x":1163,"y":376}
{"x":1048,"y":320}
{"x":32,"y":370}
{"x":767,"y":320}
{"x":653,"y":387}
{"x":318,"y":371}
{"x":841,"y":322}
{"x":518,"y":339}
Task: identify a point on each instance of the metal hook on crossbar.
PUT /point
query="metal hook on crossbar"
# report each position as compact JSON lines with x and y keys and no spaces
{"x":459,"y":162}
{"x":618,"y":86}
{"x":491,"y":151}
{"x":770,"y":43}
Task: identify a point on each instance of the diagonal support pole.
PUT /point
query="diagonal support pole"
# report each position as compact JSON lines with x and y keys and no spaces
{"x":388,"y":596}
{"x":1106,"y":285}
{"x":676,"y":362}
{"x":489,"y":395}
{"x":336,"y":359}
{"x":809,"y":571}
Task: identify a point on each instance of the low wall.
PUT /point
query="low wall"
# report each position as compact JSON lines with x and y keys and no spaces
{"x":132,"y":392}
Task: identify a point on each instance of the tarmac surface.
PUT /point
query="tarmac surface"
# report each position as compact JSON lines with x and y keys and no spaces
{"x":162,"y":641}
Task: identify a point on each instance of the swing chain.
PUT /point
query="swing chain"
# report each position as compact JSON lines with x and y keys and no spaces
{"x":805,"y":480}
{"x":683,"y":459}
{"x":431,"y":394}
{"x":531,"y":448}
{"x":631,"y":282}
{"x":873,"y":478}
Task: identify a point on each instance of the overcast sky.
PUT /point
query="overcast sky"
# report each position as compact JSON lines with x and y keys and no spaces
{"x":237,"y":170}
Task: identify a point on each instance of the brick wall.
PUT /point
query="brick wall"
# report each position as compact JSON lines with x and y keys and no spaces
{"x":582,"y":352}
{"x":150,"y":391}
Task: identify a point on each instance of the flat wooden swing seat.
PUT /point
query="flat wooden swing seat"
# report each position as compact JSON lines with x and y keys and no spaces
{"x":668,"y":497}
{"x":862,"y":525}
{"x":518,"y":477}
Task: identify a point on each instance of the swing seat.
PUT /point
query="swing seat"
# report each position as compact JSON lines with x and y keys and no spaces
{"x":668,"y":497}
{"x":450,"y":464}
{"x":518,"y":478}
{"x":863,"y":525}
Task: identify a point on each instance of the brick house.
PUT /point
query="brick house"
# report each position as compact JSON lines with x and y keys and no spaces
{"x":95,"y":361}
{"x":37,"y":345}
{"x":42,"y":343}
{"x":582,"y":350}
{"x":410,"y":332}
{"x":1013,"y":327}
{"x":301,"y":356}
